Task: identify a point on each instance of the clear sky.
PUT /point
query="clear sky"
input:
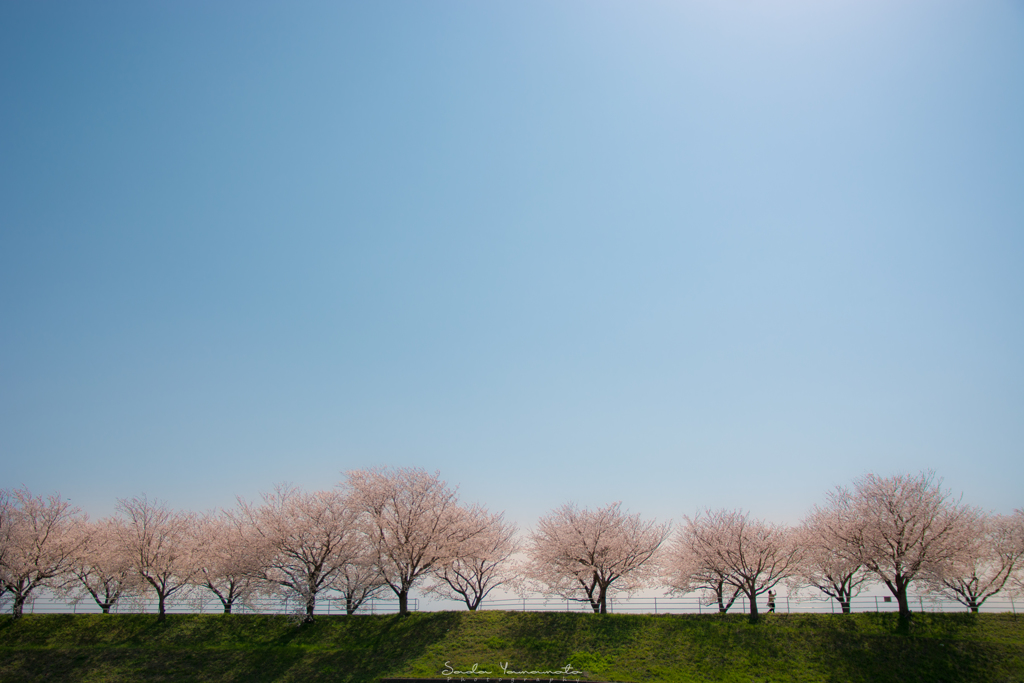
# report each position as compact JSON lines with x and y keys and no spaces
{"x":724,"y":253}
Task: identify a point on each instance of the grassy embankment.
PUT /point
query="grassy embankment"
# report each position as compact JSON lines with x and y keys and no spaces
{"x":614,"y":647}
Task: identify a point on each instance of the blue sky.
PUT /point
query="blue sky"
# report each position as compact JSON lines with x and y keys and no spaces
{"x":678,"y":254}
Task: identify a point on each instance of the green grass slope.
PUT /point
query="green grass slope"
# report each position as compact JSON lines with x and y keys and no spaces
{"x":613,"y":647}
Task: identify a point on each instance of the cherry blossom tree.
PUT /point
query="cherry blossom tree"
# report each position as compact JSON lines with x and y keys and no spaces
{"x":103,"y":569}
{"x":1015,"y":584}
{"x":691,"y":569}
{"x":359,"y":580}
{"x":747,"y":554}
{"x":585,"y":555}
{"x":413,"y":523}
{"x":306,"y":539}
{"x":829,"y":562}
{"x":161,"y":545}
{"x":227,"y":560}
{"x":903,"y":524}
{"x":483,"y":562}
{"x":41,"y":543}
{"x":994,"y":548}
{"x":6,"y":519}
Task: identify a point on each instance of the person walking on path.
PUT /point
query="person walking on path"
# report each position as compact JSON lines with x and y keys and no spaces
{"x":771,"y":601}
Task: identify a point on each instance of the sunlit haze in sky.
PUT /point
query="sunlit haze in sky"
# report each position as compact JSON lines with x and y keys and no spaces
{"x":727,"y":253}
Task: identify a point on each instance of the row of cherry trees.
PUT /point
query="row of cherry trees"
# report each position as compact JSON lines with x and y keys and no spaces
{"x":380,"y":529}
{"x":895,"y":531}
{"x":391,"y":530}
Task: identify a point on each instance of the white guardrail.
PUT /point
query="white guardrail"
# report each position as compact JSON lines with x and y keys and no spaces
{"x":798,"y":604}
{"x":783,"y":604}
{"x":324,"y":606}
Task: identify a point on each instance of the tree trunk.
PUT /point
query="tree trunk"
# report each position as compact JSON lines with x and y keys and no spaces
{"x":898,"y":587}
{"x":403,"y":603}
{"x":105,"y":606}
{"x":723,"y":606}
{"x":19,"y":606}
{"x":310,"y":606}
{"x":227,"y":605}
{"x":162,"y":599}
{"x":753,"y":606}
{"x":844,"y":600}
{"x":904,"y":604}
